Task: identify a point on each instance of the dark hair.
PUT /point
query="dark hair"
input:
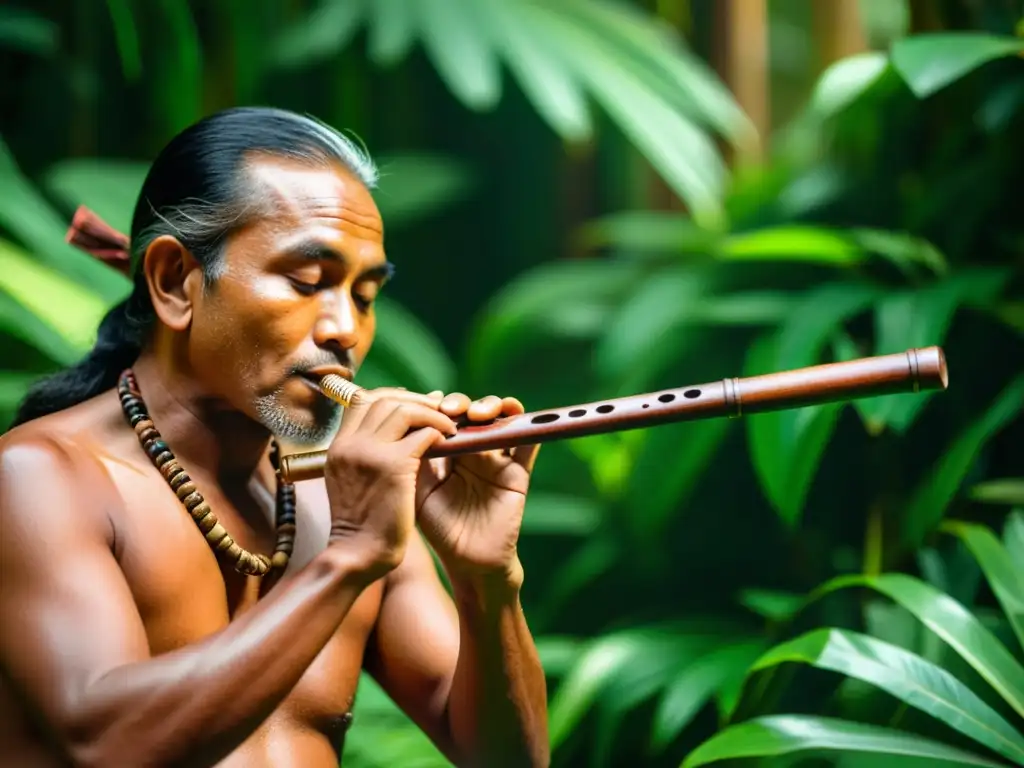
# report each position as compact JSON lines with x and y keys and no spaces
{"x":196,"y":191}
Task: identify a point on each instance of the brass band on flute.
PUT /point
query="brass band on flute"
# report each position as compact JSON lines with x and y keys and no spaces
{"x":915,"y":370}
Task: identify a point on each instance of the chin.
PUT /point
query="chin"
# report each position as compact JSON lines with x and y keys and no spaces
{"x":300,"y":426}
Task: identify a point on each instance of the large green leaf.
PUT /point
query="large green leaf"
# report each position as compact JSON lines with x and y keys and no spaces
{"x":953,"y":623}
{"x":906,"y":676}
{"x":416,"y":186}
{"x":109,"y":187}
{"x":787,"y":445}
{"x":71,"y":310}
{"x":21,"y":323}
{"x":920,"y":317}
{"x":28,"y":217}
{"x":618,"y":670}
{"x":930,"y":62}
{"x":322,"y":34}
{"x":1009,"y":490}
{"x":779,"y":735}
{"x":1013,"y":537}
{"x":694,"y":684}
{"x":1004,"y":576}
{"x":932,"y":497}
{"x":844,"y":81}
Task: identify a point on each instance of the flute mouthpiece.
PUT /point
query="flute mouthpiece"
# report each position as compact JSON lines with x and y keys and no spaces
{"x":339,"y":390}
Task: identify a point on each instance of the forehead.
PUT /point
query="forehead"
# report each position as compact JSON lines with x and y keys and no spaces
{"x":323,"y":203}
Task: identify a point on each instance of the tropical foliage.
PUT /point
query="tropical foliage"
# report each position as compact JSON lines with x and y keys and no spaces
{"x":835,"y":585}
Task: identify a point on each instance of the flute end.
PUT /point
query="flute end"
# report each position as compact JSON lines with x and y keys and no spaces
{"x":931,"y":367}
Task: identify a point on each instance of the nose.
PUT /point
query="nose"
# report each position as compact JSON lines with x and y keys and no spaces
{"x":336,"y":324}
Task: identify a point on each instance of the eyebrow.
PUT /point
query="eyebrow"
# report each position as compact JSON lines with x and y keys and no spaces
{"x":315,"y":251}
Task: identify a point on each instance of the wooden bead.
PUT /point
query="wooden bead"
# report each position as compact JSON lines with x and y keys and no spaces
{"x":233,"y":552}
{"x":186,"y":488}
{"x":279,"y":561}
{"x":207,"y":523}
{"x":170,"y":469}
{"x":192,"y":501}
{"x":225,"y":544}
{"x":216,"y":534}
{"x":200,"y":511}
{"x":179,"y":479}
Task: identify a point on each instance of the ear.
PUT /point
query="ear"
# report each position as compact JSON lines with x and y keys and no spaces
{"x":174,"y":277}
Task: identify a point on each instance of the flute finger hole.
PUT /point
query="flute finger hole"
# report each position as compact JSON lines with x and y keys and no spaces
{"x":666,"y":398}
{"x":544,"y":418}
{"x":690,"y":394}
{"x":577,"y":413}
{"x":605,"y":408}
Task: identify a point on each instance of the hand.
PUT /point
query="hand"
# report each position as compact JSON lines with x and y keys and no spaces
{"x":470,"y":507}
{"x":371,"y":473}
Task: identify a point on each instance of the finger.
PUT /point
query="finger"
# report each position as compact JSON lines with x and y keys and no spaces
{"x":510,"y":406}
{"x":455,"y":404}
{"x":405,"y":417}
{"x":485,"y":409}
{"x":526,"y":456}
{"x":419,"y":441}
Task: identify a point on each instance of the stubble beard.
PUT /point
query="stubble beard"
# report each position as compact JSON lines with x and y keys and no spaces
{"x":311,"y":429}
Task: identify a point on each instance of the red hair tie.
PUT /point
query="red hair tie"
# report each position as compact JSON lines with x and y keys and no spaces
{"x":93,"y":235}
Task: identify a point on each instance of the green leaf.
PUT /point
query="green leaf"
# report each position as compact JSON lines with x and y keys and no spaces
{"x":565,"y":299}
{"x":1013,"y":537}
{"x":459,"y":46}
{"x":695,"y":684}
{"x":549,"y":513}
{"x":950,"y":621}
{"x":664,"y":476}
{"x":788,"y":734}
{"x":323,"y":33}
{"x":792,"y":242}
{"x":901,"y":249}
{"x":932,"y":497}
{"x":108,"y":187}
{"x":931,"y":62}
{"x":1004,"y":577}
{"x":72,"y":311}
{"x":904,"y":675}
{"x":405,"y":346}
{"x":771,"y":604}
{"x":21,"y":323}
{"x":27,"y":216}
{"x":679,"y":150}
{"x":533,"y":55}
{"x":659,"y":232}
{"x":27,"y":31}
{"x":787,"y":446}
{"x":843,"y":82}
{"x":1008,"y":490}
{"x":920,"y":318}
{"x":392,"y":31}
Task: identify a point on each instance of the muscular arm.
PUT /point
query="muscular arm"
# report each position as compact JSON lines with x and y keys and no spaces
{"x":73,"y":644}
{"x":466,"y":671}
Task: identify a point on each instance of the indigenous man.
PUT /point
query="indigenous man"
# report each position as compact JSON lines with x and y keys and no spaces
{"x":165,"y":600}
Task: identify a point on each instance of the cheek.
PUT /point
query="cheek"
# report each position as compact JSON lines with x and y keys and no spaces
{"x":250,"y":326}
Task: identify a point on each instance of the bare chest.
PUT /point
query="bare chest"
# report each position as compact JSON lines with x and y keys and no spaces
{"x":184,"y":595}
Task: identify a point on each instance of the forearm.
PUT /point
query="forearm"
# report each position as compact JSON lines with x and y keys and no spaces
{"x":196,"y":705}
{"x":497,"y":706}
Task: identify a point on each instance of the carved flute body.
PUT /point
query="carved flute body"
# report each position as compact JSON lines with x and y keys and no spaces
{"x":911,"y":371}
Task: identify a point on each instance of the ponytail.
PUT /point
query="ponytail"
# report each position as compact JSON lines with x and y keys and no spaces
{"x":118,"y":344}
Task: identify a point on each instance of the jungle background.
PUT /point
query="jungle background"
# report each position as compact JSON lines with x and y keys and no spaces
{"x":593,"y":198}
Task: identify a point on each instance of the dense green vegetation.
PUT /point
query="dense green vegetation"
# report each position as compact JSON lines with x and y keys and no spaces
{"x":837,"y":585}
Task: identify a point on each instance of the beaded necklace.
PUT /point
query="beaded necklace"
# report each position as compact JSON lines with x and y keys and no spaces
{"x":217,"y":537}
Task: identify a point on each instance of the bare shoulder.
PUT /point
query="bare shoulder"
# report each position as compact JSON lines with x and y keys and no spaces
{"x":48,"y":479}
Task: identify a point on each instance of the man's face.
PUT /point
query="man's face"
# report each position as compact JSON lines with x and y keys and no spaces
{"x":295,"y":300}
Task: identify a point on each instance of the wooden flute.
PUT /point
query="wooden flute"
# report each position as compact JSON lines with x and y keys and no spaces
{"x":915,"y":370}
